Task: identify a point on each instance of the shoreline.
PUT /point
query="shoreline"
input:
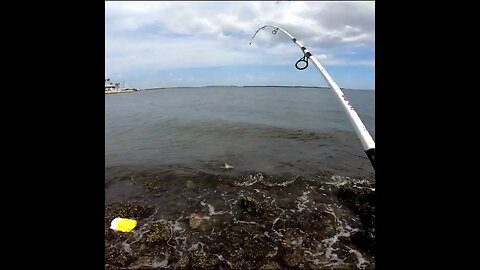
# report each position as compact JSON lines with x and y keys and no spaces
{"x":119,"y":92}
{"x":293,"y":222}
{"x":253,"y":86}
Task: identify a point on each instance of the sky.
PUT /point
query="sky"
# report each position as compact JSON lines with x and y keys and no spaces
{"x":201,"y":43}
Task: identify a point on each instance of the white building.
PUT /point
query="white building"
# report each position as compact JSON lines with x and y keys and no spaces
{"x":110,"y":87}
{"x":115,"y":88}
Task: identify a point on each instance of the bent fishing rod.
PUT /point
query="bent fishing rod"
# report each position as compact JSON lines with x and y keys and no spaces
{"x":360,"y":129}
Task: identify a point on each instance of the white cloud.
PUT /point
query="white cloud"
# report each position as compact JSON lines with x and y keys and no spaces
{"x":173,"y":35}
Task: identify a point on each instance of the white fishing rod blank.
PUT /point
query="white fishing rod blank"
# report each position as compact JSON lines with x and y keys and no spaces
{"x":360,"y":129}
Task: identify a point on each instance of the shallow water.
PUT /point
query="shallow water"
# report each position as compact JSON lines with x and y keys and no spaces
{"x":269,"y":129}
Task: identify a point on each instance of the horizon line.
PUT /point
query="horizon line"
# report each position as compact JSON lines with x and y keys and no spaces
{"x":291,"y":86}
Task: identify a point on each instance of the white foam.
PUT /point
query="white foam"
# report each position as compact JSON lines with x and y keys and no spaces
{"x":211,"y":209}
{"x":183,"y":243}
{"x":314,"y":255}
{"x":177,"y":225}
{"x":282,"y":184}
{"x":195,"y":246}
{"x":337,"y":180}
{"x":298,"y":241}
{"x":302,"y":200}
{"x":372,"y":189}
{"x":154,"y":264}
{"x":138,"y":234}
{"x":220,"y":257}
{"x":342,"y":231}
{"x":227,"y":166}
{"x":160,"y":264}
{"x":272,"y":253}
{"x":244,"y":222}
{"x":275,"y":221}
{"x":252,"y":179}
{"x":277,"y":232}
{"x":362,"y":263}
{"x":127,"y":248}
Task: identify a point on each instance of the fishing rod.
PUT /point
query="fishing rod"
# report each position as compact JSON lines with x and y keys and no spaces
{"x":360,"y":129}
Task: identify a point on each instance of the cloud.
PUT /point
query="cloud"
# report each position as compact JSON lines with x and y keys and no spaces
{"x":174,"y":35}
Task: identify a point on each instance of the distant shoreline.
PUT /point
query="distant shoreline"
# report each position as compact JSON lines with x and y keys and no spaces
{"x":251,"y":86}
{"x":119,"y":92}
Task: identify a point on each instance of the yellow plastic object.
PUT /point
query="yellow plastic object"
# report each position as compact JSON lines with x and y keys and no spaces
{"x":123,"y":224}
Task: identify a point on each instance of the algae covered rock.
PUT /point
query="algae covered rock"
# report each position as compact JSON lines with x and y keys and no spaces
{"x":294,"y":259}
{"x":361,"y":200}
{"x":116,"y":256}
{"x":201,"y":259}
{"x":154,"y":186}
{"x":270,"y":265}
{"x":253,"y":207}
{"x":182,"y":262}
{"x":198,"y":221}
{"x":158,"y":233}
{"x":126,"y":210}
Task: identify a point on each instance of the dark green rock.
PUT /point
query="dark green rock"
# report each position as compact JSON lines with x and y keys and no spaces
{"x":158,"y":233}
{"x":116,"y":256}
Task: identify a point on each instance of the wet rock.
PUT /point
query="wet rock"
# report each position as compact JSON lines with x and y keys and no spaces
{"x":255,"y":249}
{"x":356,"y":196}
{"x":126,"y":210}
{"x":182,"y":262}
{"x":159,"y":233}
{"x":361,"y":200}
{"x":154,"y":261}
{"x":270,"y":265}
{"x":109,"y":234}
{"x":231,"y":242}
{"x":206,"y":180}
{"x":292,"y":236}
{"x":347,"y":256}
{"x":255,"y":226}
{"x":116,"y":256}
{"x":319,"y":225}
{"x":249,"y":265}
{"x":237,"y":228}
{"x":189,"y":184}
{"x":223,"y":187}
{"x":286,"y":203}
{"x":108,"y":183}
{"x":244,"y":249}
{"x":142,"y":248}
{"x":200,"y":259}
{"x":316,"y":221}
{"x":320,"y":248}
{"x":153,"y":186}
{"x":294,"y":259}
{"x":237,"y":263}
{"x":311,"y":241}
{"x":197,"y":221}
{"x":252,"y":207}
{"x":115,"y":237}
{"x":363,"y":241}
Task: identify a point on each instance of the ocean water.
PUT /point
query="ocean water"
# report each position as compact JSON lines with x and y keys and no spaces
{"x":269,"y":129}
{"x":289,"y":150}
